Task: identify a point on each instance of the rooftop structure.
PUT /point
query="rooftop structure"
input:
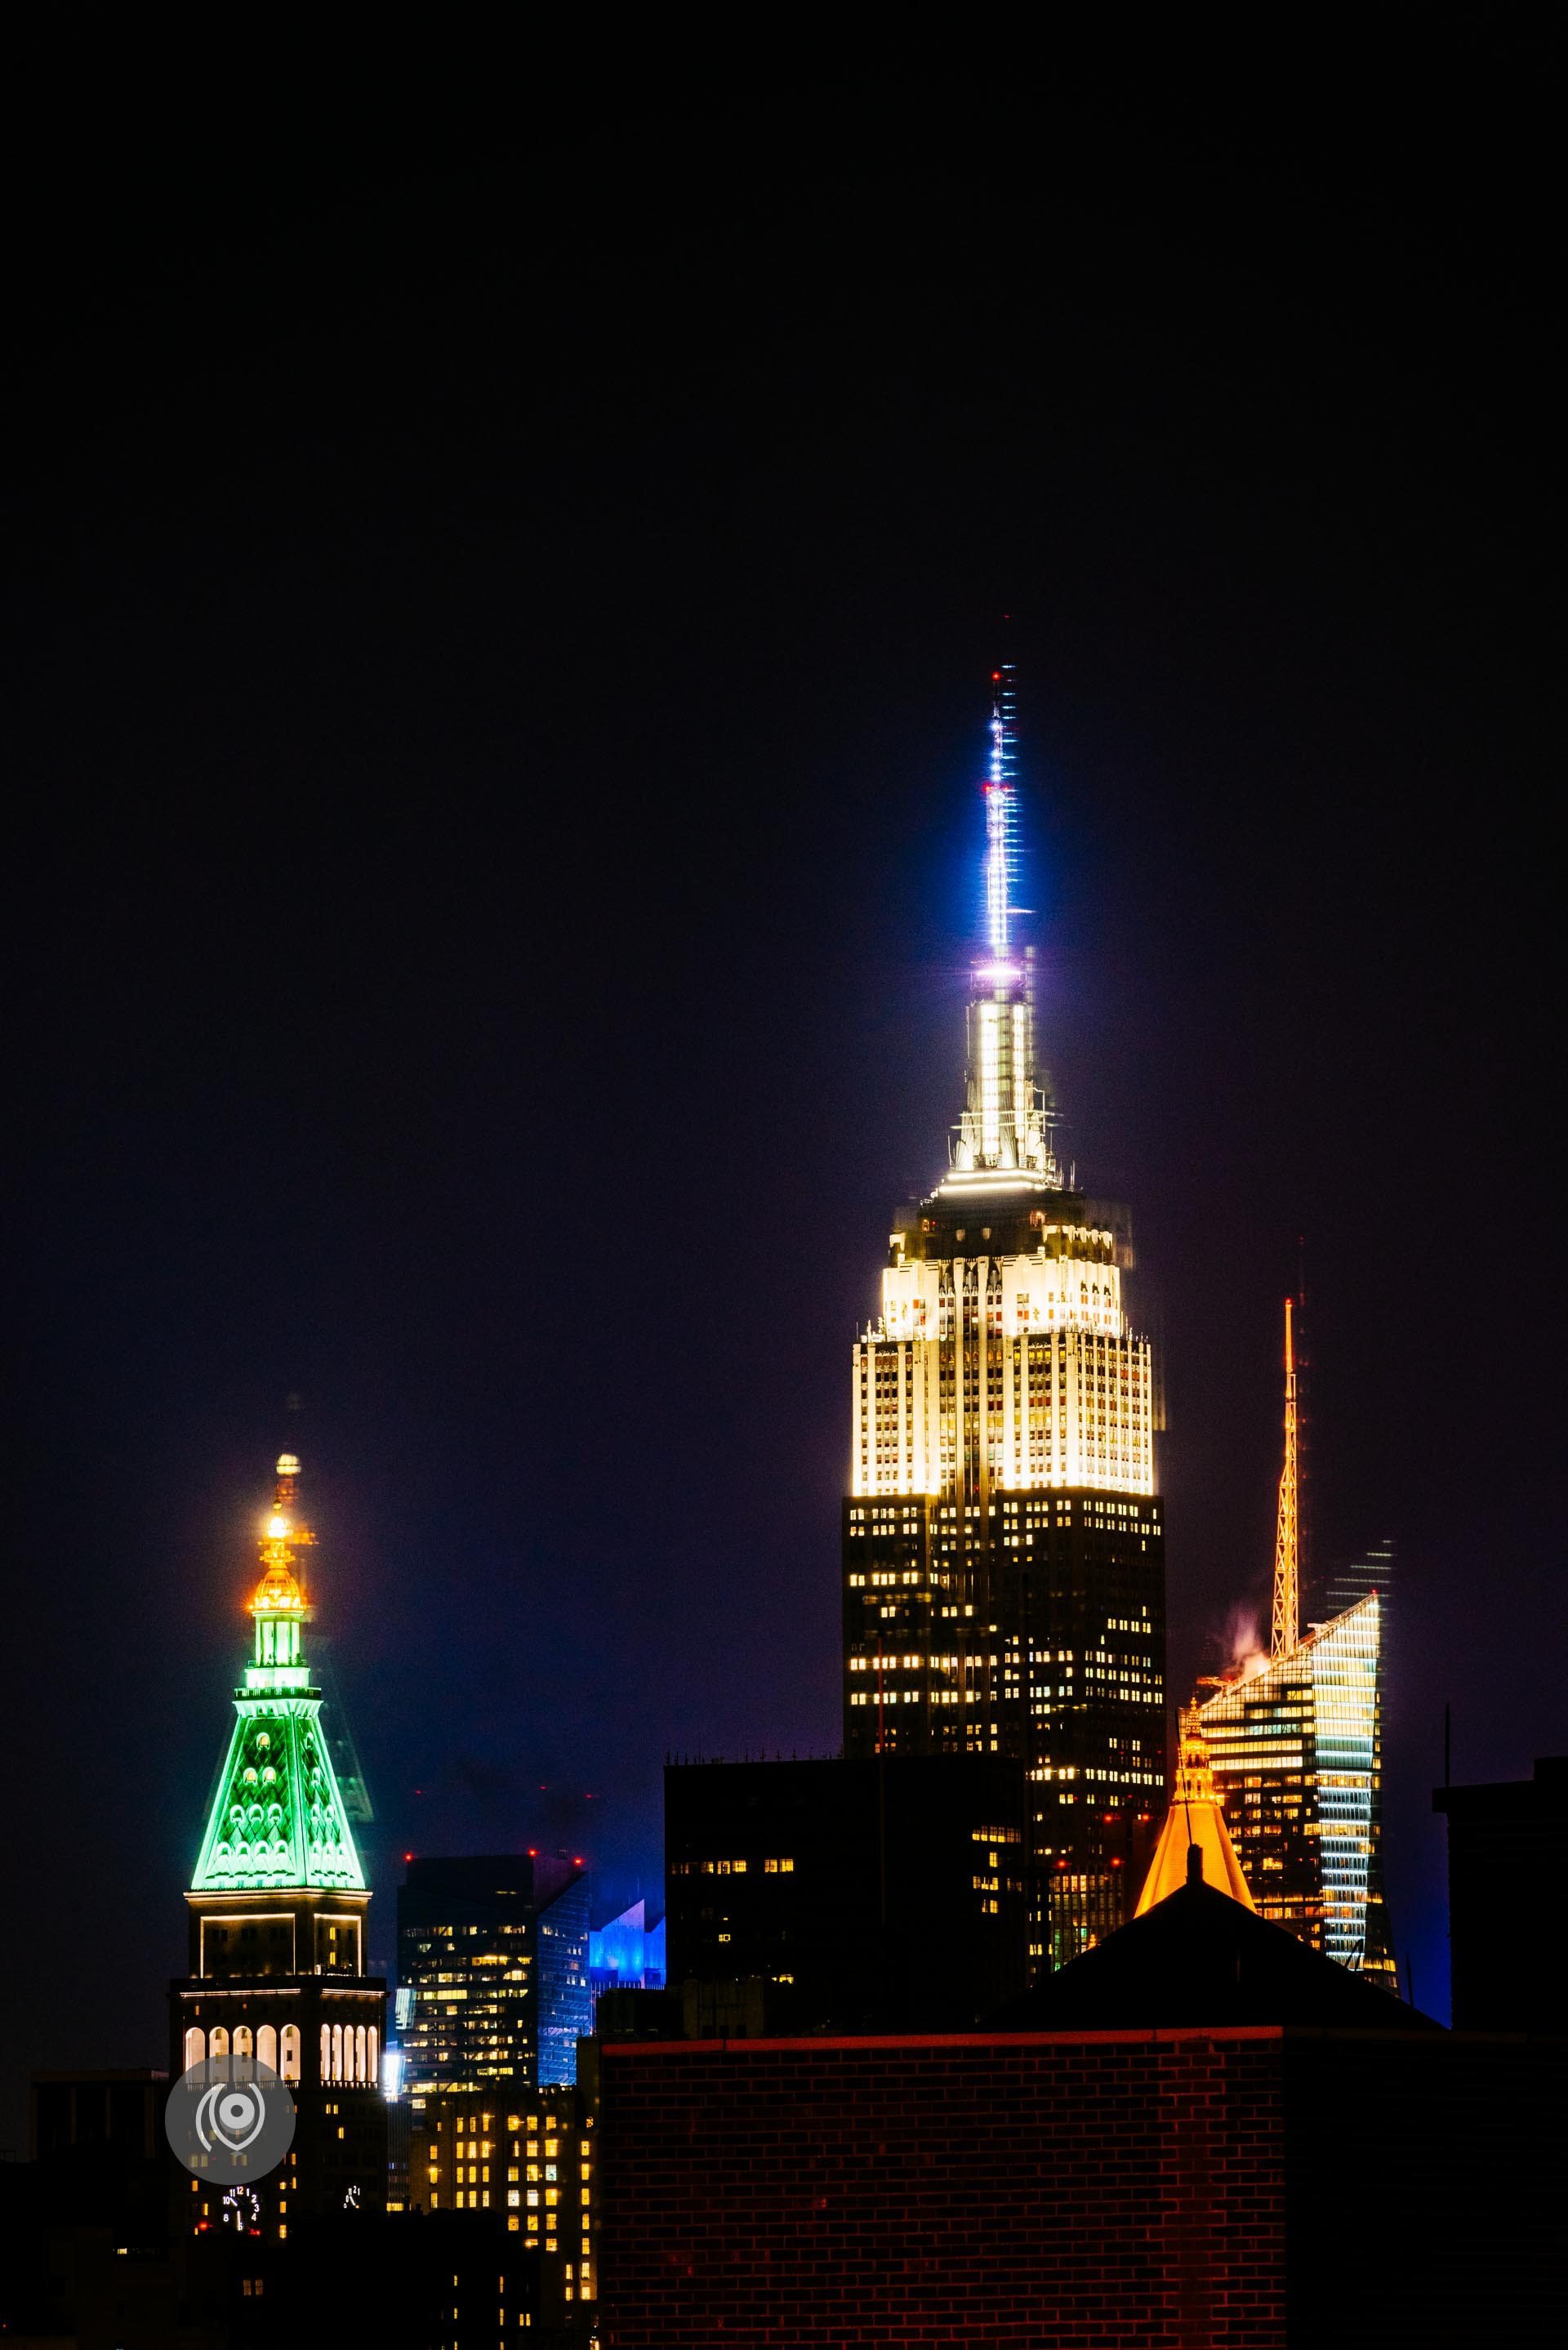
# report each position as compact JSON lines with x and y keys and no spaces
{"x":1506,"y":1952}
{"x":1195,"y":1823}
{"x":279,"y":1818}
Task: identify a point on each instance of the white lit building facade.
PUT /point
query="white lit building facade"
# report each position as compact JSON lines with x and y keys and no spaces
{"x":1003,"y":1545}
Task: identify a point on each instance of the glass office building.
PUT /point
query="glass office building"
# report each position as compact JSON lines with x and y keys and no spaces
{"x":1295,"y":1746}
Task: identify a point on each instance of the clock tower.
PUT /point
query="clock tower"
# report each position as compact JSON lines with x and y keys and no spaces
{"x":277,"y":1925}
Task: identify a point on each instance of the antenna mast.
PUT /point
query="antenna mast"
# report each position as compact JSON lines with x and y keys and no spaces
{"x":1001,"y":810}
{"x":1287,"y":1562}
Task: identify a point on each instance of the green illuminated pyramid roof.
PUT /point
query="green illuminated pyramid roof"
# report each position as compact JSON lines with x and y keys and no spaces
{"x":279,"y":1823}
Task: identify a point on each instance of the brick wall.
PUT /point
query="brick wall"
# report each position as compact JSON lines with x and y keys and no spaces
{"x":1040,"y":2191}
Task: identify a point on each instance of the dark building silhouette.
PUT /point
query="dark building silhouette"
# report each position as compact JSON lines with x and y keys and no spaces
{"x":863,"y":1895}
{"x":1508,"y":1900}
{"x":1201,"y":2132}
{"x":84,"y":2224}
{"x":1200,"y":1958}
{"x":493,"y":1973}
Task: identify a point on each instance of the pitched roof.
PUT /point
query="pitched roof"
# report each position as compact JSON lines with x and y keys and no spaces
{"x":278,"y":1821}
{"x":1198,"y":1958}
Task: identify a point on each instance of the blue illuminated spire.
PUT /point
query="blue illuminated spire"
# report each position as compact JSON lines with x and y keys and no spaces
{"x":1001,"y":811}
{"x":1003,"y":1137}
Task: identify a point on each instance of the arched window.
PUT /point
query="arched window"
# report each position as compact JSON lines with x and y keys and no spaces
{"x":373,"y":2059}
{"x":219,"y":2044}
{"x":244,"y":2043}
{"x":360,"y":2072}
{"x":266,"y":2047}
{"x":337,"y":2052}
{"x":195,"y":2046}
{"x":326,"y":2051}
{"x":290,"y":2052}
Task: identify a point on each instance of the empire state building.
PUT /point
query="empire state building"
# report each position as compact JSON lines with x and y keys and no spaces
{"x":1003,"y":1548}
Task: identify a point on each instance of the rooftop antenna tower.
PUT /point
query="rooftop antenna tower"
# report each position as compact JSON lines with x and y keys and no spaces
{"x":1001,"y":811}
{"x":1286,"y":1633}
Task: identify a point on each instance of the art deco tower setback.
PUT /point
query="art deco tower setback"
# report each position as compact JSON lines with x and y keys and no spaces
{"x":1003,"y":1551}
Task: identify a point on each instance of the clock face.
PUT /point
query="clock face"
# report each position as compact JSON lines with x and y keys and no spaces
{"x":242,"y":2210}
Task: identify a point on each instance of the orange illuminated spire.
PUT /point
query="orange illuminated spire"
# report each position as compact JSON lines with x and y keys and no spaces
{"x":280,"y":1591}
{"x":1287,"y":1562}
{"x":1194,"y":1820}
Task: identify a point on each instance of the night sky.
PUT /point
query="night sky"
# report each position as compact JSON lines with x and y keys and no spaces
{"x":498,"y":636}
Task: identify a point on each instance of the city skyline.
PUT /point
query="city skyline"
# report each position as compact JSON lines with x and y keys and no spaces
{"x":497,"y":887}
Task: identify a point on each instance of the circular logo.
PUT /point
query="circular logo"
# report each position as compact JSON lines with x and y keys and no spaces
{"x":229,"y":2119}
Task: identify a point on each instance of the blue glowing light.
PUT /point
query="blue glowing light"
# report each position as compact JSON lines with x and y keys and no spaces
{"x":1001,"y":814}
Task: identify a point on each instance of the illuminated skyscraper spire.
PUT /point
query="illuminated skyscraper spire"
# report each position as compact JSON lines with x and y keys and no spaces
{"x":1003,"y":1548}
{"x":1004,"y":1135}
{"x":1001,"y":812}
{"x":1287,"y":1595}
{"x":279,"y":1819}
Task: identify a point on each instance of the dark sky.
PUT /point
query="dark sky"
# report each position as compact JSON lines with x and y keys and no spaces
{"x":498,"y":619}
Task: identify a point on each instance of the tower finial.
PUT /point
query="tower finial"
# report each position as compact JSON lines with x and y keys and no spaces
{"x":280,"y":1589}
{"x":1287,"y":1631}
{"x":1194,"y":1847}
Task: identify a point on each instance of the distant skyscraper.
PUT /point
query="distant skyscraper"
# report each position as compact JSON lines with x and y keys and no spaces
{"x":1296,"y":1750}
{"x":493,"y":1973}
{"x":276,"y":1916}
{"x":1004,"y":1548}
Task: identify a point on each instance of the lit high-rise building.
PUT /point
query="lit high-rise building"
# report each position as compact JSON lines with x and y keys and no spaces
{"x":493,"y":1973}
{"x":277,"y":1921}
{"x":1004,"y":1548}
{"x":1296,"y":1750}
